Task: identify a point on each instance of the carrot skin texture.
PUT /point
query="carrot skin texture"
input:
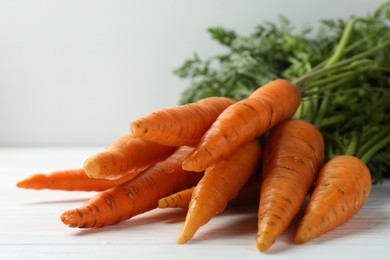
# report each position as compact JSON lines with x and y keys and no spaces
{"x":243,"y":121}
{"x":248,"y":195}
{"x":180,"y":199}
{"x":126,"y":154}
{"x":342,"y":187}
{"x":293,"y":155}
{"x":70,"y":180}
{"x":180,"y":125}
{"x":136,"y":196}
{"x":221,"y":182}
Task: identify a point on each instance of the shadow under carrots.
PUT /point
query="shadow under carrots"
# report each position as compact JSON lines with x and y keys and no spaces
{"x":237,"y":222}
{"x":147,"y":218}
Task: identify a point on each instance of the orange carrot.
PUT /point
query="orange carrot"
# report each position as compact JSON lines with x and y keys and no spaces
{"x":70,"y":180}
{"x":248,"y":195}
{"x":221,"y":182}
{"x":180,"y":199}
{"x":124,"y":155}
{"x":341,"y":189}
{"x":135,"y":196}
{"x":243,"y":121}
{"x":293,"y":154}
{"x":180,"y":125}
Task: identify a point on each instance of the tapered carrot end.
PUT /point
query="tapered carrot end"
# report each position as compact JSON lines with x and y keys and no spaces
{"x":183,"y":239}
{"x":304,"y":233}
{"x":35,"y":182}
{"x":301,"y":238}
{"x":188,"y":232}
{"x":163,"y":203}
{"x":264,"y":242}
{"x":72,"y":218}
{"x":23,"y":184}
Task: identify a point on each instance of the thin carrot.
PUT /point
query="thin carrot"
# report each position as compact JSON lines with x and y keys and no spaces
{"x":341,"y":189}
{"x":293,"y":154}
{"x":135,"y":196}
{"x":248,"y":195}
{"x":180,"y":199}
{"x":126,"y":154}
{"x":221,"y":182}
{"x":70,"y":180}
{"x":243,"y":121}
{"x":180,"y":125}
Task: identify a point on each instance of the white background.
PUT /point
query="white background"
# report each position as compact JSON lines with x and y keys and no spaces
{"x":76,"y":72}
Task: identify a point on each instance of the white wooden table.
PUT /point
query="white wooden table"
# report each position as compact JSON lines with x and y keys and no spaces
{"x":31,"y":227}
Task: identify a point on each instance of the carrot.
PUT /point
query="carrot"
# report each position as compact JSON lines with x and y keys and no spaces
{"x":341,"y":189}
{"x":293,"y":154}
{"x":180,"y":125}
{"x":126,"y":154}
{"x":70,"y":180}
{"x":135,"y":196}
{"x":243,"y":121}
{"x":221,"y":182}
{"x":248,"y":195}
{"x":180,"y":199}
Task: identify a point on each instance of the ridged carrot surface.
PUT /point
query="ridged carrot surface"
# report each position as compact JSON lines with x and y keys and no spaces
{"x":135,"y":196}
{"x":180,"y":125}
{"x":342,"y":187}
{"x":221,"y":182}
{"x":293,"y":155}
{"x":243,"y":121}
{"x":126,"y":154}
{"x":248,"y":195}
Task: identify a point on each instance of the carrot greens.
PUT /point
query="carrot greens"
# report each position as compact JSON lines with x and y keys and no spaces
{"x":341,"y":67}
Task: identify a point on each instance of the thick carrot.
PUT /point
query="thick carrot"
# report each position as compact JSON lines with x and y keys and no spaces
{"x":135,"y":196}
{"x":341,"y":189}
{"x":126,"y":154}
{"x":248,"y":195}
{"x":70,"y":180}
{"x":180,"y":125}
{"x":221,"y":182}
{"x":293,"y":154}
{"x":243,"y":121}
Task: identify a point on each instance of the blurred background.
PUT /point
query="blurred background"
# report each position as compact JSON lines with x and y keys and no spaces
{"x":76,"y":72}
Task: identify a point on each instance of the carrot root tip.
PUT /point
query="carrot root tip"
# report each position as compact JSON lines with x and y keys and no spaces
{"x":182,"y":240}
{"x":264,"y":242}
{"x":68,"y":218}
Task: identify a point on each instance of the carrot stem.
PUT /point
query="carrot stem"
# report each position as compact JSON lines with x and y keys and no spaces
{"x":353,"y":143}
{"x":374,"y":149}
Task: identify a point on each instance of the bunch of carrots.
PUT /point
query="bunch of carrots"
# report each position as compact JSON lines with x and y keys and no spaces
{"x":215,"y":153}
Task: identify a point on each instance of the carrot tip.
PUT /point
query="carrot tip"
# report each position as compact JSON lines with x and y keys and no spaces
{"x":264,"y":242}
{"x":262,"y":247}
{"x":69,"y":218}
{"x":162,"y":203}
{"x":300,"y":239}
{"x":182,"y":240}
{"x":21,"y":184}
